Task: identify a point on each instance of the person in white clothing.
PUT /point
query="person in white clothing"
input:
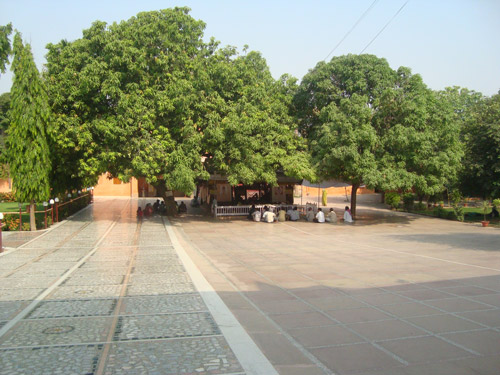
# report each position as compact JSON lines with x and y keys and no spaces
{"x":269,"y":216}
{"x":320,"y":216}
{"x":347,"y":215}
{"x":331,"y":217}
{"x":256,"y":215}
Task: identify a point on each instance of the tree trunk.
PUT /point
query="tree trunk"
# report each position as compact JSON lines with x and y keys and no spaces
{"x":32,"y":216}
{"x":353,"y":199}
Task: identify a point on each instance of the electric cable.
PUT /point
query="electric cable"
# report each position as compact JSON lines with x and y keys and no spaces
{"x":383,"y":28}
{"x":352,"y":28}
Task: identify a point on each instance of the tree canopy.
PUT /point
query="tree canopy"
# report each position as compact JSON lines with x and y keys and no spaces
{"x":27,"y":148}
{"x":481,"y":167}
{"x":368,"y":124}
{"x":250,"y":135}
{"x":148,"y":97}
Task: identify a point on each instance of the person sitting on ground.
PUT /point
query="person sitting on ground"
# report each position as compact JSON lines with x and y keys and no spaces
{"x":269,"y":216}
{"x":347,"y":215}
{"x":148,"y":210}
{"x":140,"y":213}
{"x":294,"y":214}
{"x":182,"y":208}
{"x":320,"y":216}
{"x":281,"y":215}
{"x":194,"y":202}
{"x":156,"y":206}
{"x":256,"y":215}
{"x":331,"y":217}
{"x":251,"y":211}
{"x":310,"y":214}
{"x":163,"y":208}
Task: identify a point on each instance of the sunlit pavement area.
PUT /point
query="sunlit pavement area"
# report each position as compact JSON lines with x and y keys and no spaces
{"x":392,"y":294}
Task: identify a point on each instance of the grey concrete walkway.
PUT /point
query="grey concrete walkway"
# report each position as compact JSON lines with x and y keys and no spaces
{"x":105,"y":294}
{"x":392,"y":294}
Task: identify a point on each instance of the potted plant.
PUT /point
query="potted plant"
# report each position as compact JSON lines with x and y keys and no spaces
{"x":485,"y":206}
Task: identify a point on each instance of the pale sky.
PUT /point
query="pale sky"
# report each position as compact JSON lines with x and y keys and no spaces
{"x":447,"y":42}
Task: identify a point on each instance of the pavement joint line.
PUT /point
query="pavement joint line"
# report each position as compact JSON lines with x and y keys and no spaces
{"x":49,"y":290}
{"x":246,"y":351}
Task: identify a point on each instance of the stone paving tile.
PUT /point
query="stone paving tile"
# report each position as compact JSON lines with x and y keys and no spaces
{"x":85,"y":292}
{"x":163,"y":304}
{"x":165,"y":326}
{"x":9,"y":309}
{"x":73,"y":308}
{"x":486,"y":342}
{"x":20,"y":294}
{"x":159,"y":278}
{"x":57,"y":332}
{"x":355,"y":358}
{"x":99,"y":272}
{"x":159,"y":289}
{"x":203,"y":356}
{"x":93,"y":279}
{"x":325,"y":336}
{"x":443,"y":323}
{"x":25,"y":272}
{"x":490,"y":318}
{"x":158,"y":269}
{"x":26,"y":282}
{"x":56,"y":360}
{"x":424,"y":349}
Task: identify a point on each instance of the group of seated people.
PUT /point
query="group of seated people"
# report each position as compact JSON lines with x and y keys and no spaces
{"x":150,"y":209}
{"x":293,"y":215}
{"x":159,"y":208}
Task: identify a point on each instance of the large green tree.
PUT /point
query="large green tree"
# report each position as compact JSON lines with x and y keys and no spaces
{"x":250,"y":135}
{"x":481,"y":167}
{"x":27,"y":148}
{"x":368,"y":124}
{"x":149,"y":98}
{"x":128,"y":99}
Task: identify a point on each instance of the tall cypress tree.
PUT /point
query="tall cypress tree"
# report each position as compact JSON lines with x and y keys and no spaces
{"x":27,"y":148}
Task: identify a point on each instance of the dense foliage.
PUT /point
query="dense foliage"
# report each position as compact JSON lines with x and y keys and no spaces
{"x":368,"y":124}
{"x":27,"y":148}
{"x":147,"y":97}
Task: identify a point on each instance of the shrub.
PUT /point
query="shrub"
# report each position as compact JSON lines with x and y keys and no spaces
{"x":7,"y":197}
{"x":455,"y":197}
{"x":440,"y":212}
{"x":420,"y":206}
{"x":408,"y":201}
{"x":458,"y":212}
{"x":496,"y":203}
{"x":392,"y":199}
{"x":11,"y":222}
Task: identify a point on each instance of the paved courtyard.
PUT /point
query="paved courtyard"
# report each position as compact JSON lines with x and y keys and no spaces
{"x":391,"y":294}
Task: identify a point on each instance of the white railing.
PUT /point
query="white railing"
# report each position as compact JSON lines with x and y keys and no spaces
{"x":244,"y":210}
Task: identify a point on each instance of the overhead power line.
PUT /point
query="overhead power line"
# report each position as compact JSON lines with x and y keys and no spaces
{"x":352,"y":28}
{"x":383,"y":28}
